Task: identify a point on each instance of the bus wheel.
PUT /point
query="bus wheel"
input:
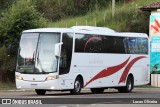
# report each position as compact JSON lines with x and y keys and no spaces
{"x":40,"y":92}
{"x":77,"y":87}
{"x":129,"y":86}
{"x":97,"y":90}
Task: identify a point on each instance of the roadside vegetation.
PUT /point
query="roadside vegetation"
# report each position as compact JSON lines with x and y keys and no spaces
{"x":7,"y":86}
{"x":13,"y":21}
{"x":128,"y":17}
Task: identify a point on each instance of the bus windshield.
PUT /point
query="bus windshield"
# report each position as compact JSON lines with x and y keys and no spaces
{"x":36,"y":53}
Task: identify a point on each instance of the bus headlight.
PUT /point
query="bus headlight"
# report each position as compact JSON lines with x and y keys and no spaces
{"x":19,"y":77}
{"x":52,"y":77}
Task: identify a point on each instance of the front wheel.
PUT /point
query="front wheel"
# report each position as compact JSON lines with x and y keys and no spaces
{"x":129,"y":86}
{"x":40,"y":92}
{"x":77,"y":87}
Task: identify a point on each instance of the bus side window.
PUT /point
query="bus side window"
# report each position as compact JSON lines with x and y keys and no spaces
{"x":66,"y":53}
{"x":125,"y":41}
{"x":114,"y":45}
{"x":132,"y":46}
{"x":93,"y":44}
{"x":142,"y":44}
{"x":80,"y":42}
{"x":119,"y":45}
{"x":138,"y":45}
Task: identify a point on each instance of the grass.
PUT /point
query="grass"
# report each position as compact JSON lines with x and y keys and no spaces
{"x":7,"y":86}
{"x":124,"y":14}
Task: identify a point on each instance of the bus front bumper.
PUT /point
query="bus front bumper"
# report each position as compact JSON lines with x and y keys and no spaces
{"x":47,"y":85}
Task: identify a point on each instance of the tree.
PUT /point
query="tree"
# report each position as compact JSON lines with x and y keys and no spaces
{"x":20,"y":16}
{"x":5,"y":3}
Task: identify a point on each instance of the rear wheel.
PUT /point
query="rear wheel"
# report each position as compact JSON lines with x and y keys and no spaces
{"x":77,"y":87}
{"x":97,"y":90}
{"x":40,"y":92}
{"x":129,"y":86}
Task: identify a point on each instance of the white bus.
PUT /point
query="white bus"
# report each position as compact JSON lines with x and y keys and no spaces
{"x":79,"y":57}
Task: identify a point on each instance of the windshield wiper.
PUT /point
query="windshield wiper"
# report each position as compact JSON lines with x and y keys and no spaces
{"x":33,"y":58}
{"x":38,"y":62}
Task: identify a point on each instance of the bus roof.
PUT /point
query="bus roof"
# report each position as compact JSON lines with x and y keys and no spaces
{"x":92,"y":28}
{"x":89,"y":30}
{"x":49,"y":30}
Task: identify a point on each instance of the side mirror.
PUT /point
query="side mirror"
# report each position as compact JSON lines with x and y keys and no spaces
{"x":10,"y":49}
{"x":57,"y":49}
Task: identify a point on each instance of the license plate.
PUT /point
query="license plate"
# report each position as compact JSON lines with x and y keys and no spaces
{"x":34,"y":84}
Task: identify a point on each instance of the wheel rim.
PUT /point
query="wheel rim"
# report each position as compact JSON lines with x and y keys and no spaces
{"x":77,"y":86}
{"x":129,"y":85}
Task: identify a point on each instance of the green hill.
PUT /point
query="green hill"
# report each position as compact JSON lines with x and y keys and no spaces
{"x":127,"y":17}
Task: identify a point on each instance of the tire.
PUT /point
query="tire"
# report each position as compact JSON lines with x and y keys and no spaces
{"x":97,"y":90}
{"x":129,"y":86}
{"x":40,"y":92}
{"x":77,"y":87}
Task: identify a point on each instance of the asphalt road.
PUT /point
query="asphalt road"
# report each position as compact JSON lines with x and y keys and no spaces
{"x":143,"y":96}
{"x":109,"y":93}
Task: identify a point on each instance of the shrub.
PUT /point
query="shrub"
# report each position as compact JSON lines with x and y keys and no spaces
{"x":5,"y":4}
{"x":20,"y":16}
{"x":140,"y":23}
{"x":7,"y":66}
{"x":127,"y":20}
{"x":55,"y":10}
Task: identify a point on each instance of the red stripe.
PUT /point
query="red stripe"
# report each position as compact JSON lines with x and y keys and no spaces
{"x":157,"y":22}
{"x":154,"y":27}
{"x":108,"y":71}
{"x":126,"y":71}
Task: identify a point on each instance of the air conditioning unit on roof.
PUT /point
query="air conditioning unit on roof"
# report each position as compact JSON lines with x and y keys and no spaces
{"x":92,"y":28}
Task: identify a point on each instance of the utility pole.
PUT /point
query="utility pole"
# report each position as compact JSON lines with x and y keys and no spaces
{"x":113,"y":8}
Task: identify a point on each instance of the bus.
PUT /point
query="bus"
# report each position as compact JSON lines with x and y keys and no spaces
{"x":69,"y":59}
